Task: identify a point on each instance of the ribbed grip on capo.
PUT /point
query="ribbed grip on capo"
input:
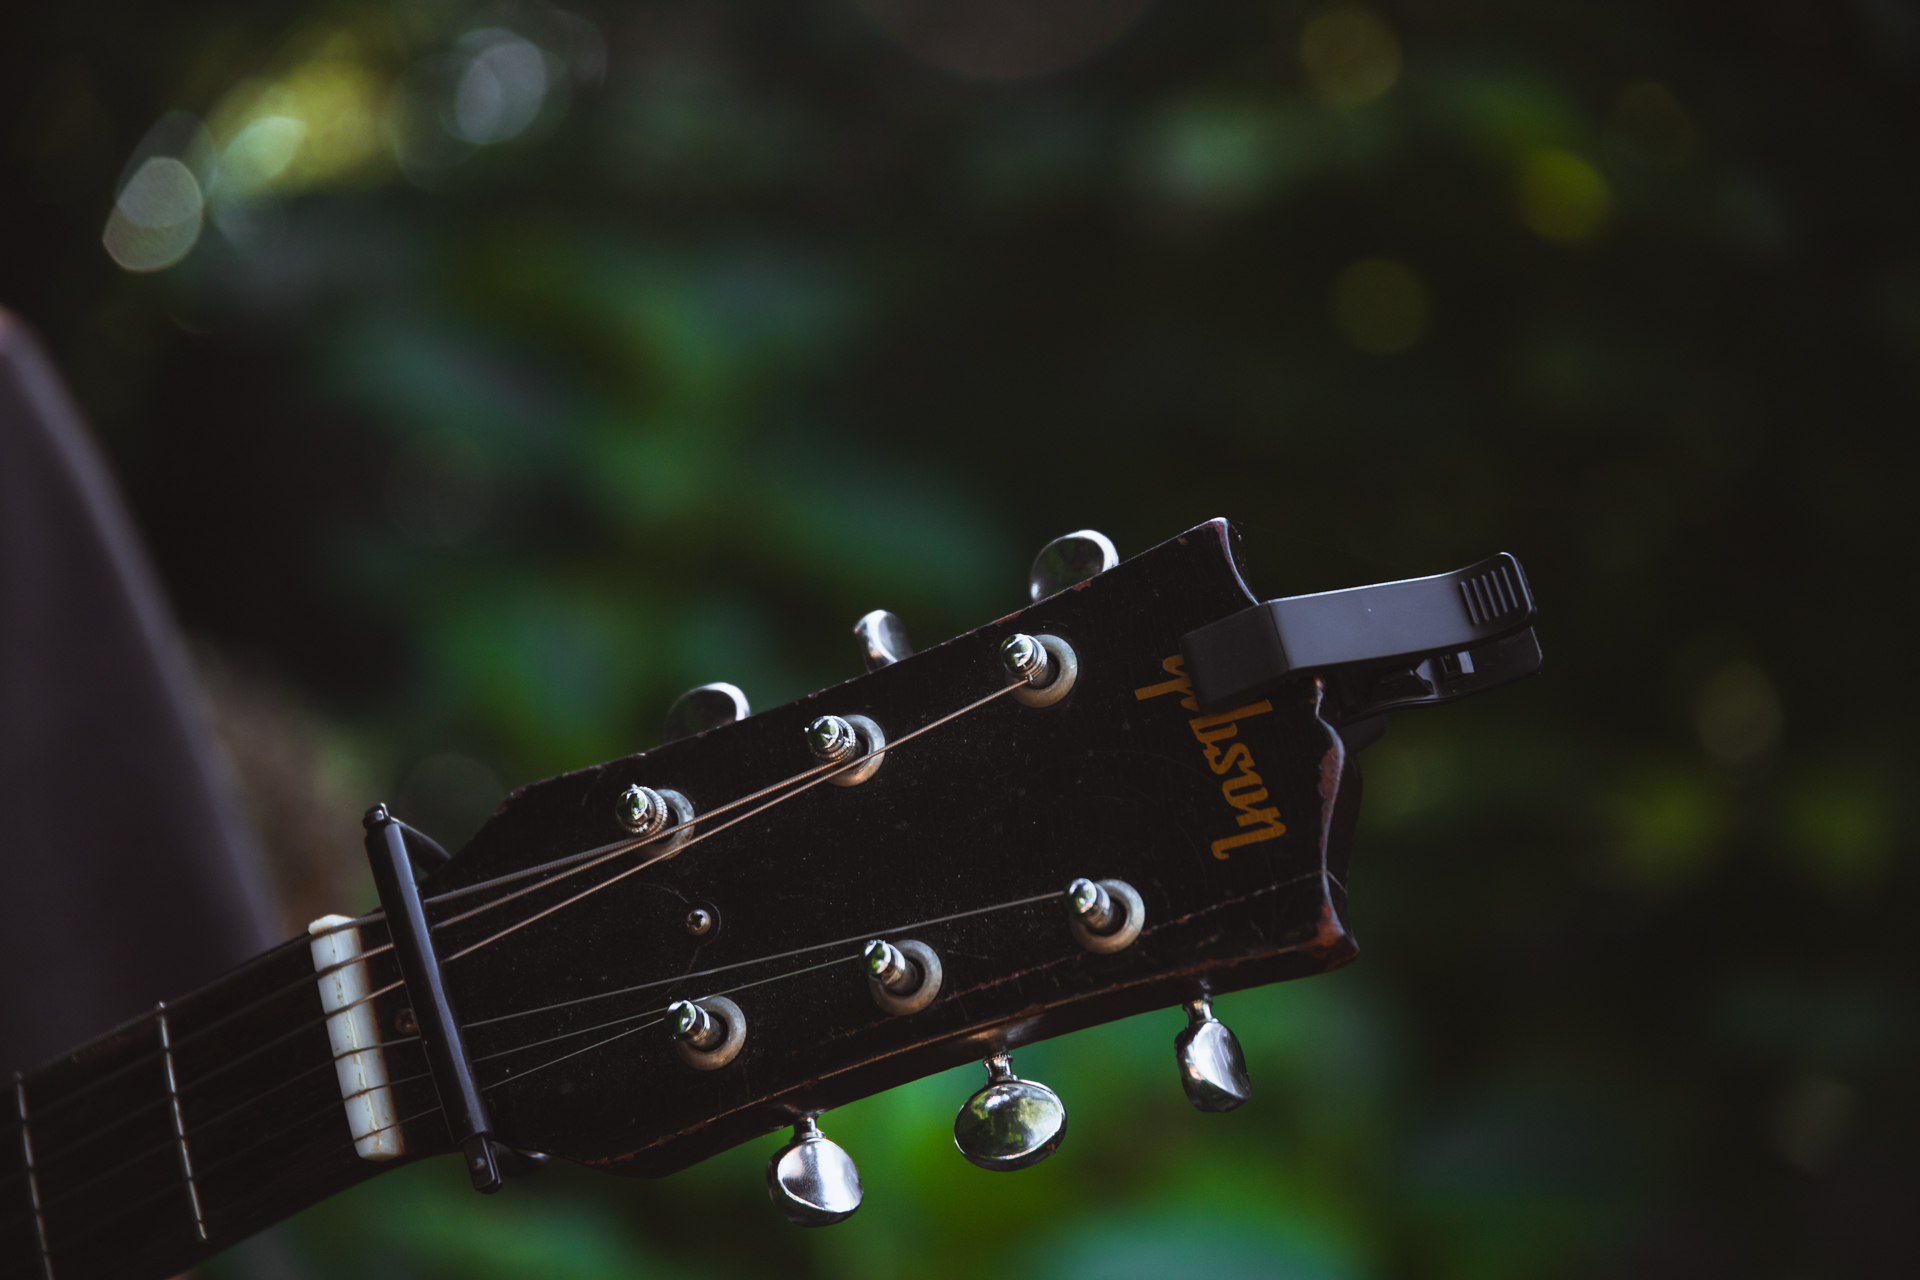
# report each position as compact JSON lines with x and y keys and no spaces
{"x":1257,"y":648}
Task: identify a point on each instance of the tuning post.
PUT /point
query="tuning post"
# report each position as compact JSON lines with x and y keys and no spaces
{"x":812,"y":1181}
{"x":646,"y":812}
{"x":1104,"y":916}
{"x":1010,"y":1123}
{"x":707,"y":1034}
{"x":1213,"y":1071}
{"x":835,"y":740}
{"x":903,"y":978}
{"x":1046,"y":667}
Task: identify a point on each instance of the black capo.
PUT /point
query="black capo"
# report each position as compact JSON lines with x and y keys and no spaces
{"x":396,"y":852}
{"x":1415,"y":643}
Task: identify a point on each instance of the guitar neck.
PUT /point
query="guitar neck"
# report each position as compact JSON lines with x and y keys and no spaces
{"x":190,"y":1128}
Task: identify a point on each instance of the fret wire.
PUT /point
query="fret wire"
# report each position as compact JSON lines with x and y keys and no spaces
{"x":231,"y":1157}
{"x":33,"y":1180}
{"x":179,"y":1121}
{"x":203,"y":992}
{"x":308,"y":978}
{"x":921,"y":924}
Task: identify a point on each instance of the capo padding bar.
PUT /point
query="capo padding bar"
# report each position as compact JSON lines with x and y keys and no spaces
{"x":452,"y":1069}
{"x":1390,"y":622}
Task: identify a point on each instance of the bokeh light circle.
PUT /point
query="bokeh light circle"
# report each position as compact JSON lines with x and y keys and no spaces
{"x":158,"y":217}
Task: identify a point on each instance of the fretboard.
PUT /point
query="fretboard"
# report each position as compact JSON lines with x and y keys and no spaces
{"x":194,"y":1126}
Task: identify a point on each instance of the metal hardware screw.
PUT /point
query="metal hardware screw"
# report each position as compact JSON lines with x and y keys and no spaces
{"x":699,"y":922}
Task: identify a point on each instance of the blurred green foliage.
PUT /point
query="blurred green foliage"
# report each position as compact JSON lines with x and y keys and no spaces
{"x":769,"y":315}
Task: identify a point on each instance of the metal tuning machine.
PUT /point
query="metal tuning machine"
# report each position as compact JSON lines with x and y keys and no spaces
{"x":1010,"y":1123}
{"x":812,"y":1181}
{"x":1213,"y":1071}
{"x":1069,"y":561}
{"x":707,"y":706}
{"x":883,"y":639}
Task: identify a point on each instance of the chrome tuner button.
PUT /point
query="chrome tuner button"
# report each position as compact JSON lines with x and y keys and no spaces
{"x":835,"y":740}
{"x":883,"y":639}
{"x":1069,"y":561}
{"x":1046,"y":665}
{"x":1011,"y":1123}
{"x":811,"y":1180}
{"x":1213,"y":1071}
{"x":904,"y":978}
{"x":1104,"y":916}
{"x":707,"y":1034}
{"x":704,"y":708}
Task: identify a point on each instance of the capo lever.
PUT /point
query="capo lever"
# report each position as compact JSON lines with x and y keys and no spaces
{"x":1417,"y":642}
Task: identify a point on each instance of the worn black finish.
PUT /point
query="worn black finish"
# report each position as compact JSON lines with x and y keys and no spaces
{"x":1232,"y":823}
{"x":461,"y":1105}
{"x":1389,"y":627}
{"x":1226,"y":824}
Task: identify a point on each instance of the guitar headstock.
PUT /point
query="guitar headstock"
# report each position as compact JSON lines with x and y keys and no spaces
{"x":1207,"y":846}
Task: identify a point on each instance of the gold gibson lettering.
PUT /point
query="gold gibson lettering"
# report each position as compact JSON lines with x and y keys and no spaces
{"x":1244,"y":790}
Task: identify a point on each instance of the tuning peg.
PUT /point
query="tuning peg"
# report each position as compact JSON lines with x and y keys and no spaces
{"x":811,"y":1180}
{"x":1069,"y":560}
{"x":707,"y":707}
{"x":1011,"y":1123}
{"x":1213,"y":1071}
{"x":883,"y":638}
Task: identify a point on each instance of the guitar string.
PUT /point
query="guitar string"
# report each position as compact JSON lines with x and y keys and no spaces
{"x":69,"y":1193}
{"x":697,"y":837}
{"x":306,"y":980}
{"x":840,"y":767}
{"x":378,"y":916}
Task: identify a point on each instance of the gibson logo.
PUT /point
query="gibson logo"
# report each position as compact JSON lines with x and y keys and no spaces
{"x":1244,"y":790}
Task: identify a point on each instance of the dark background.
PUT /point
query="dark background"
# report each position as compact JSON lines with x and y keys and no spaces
{"x":725,"y":323}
